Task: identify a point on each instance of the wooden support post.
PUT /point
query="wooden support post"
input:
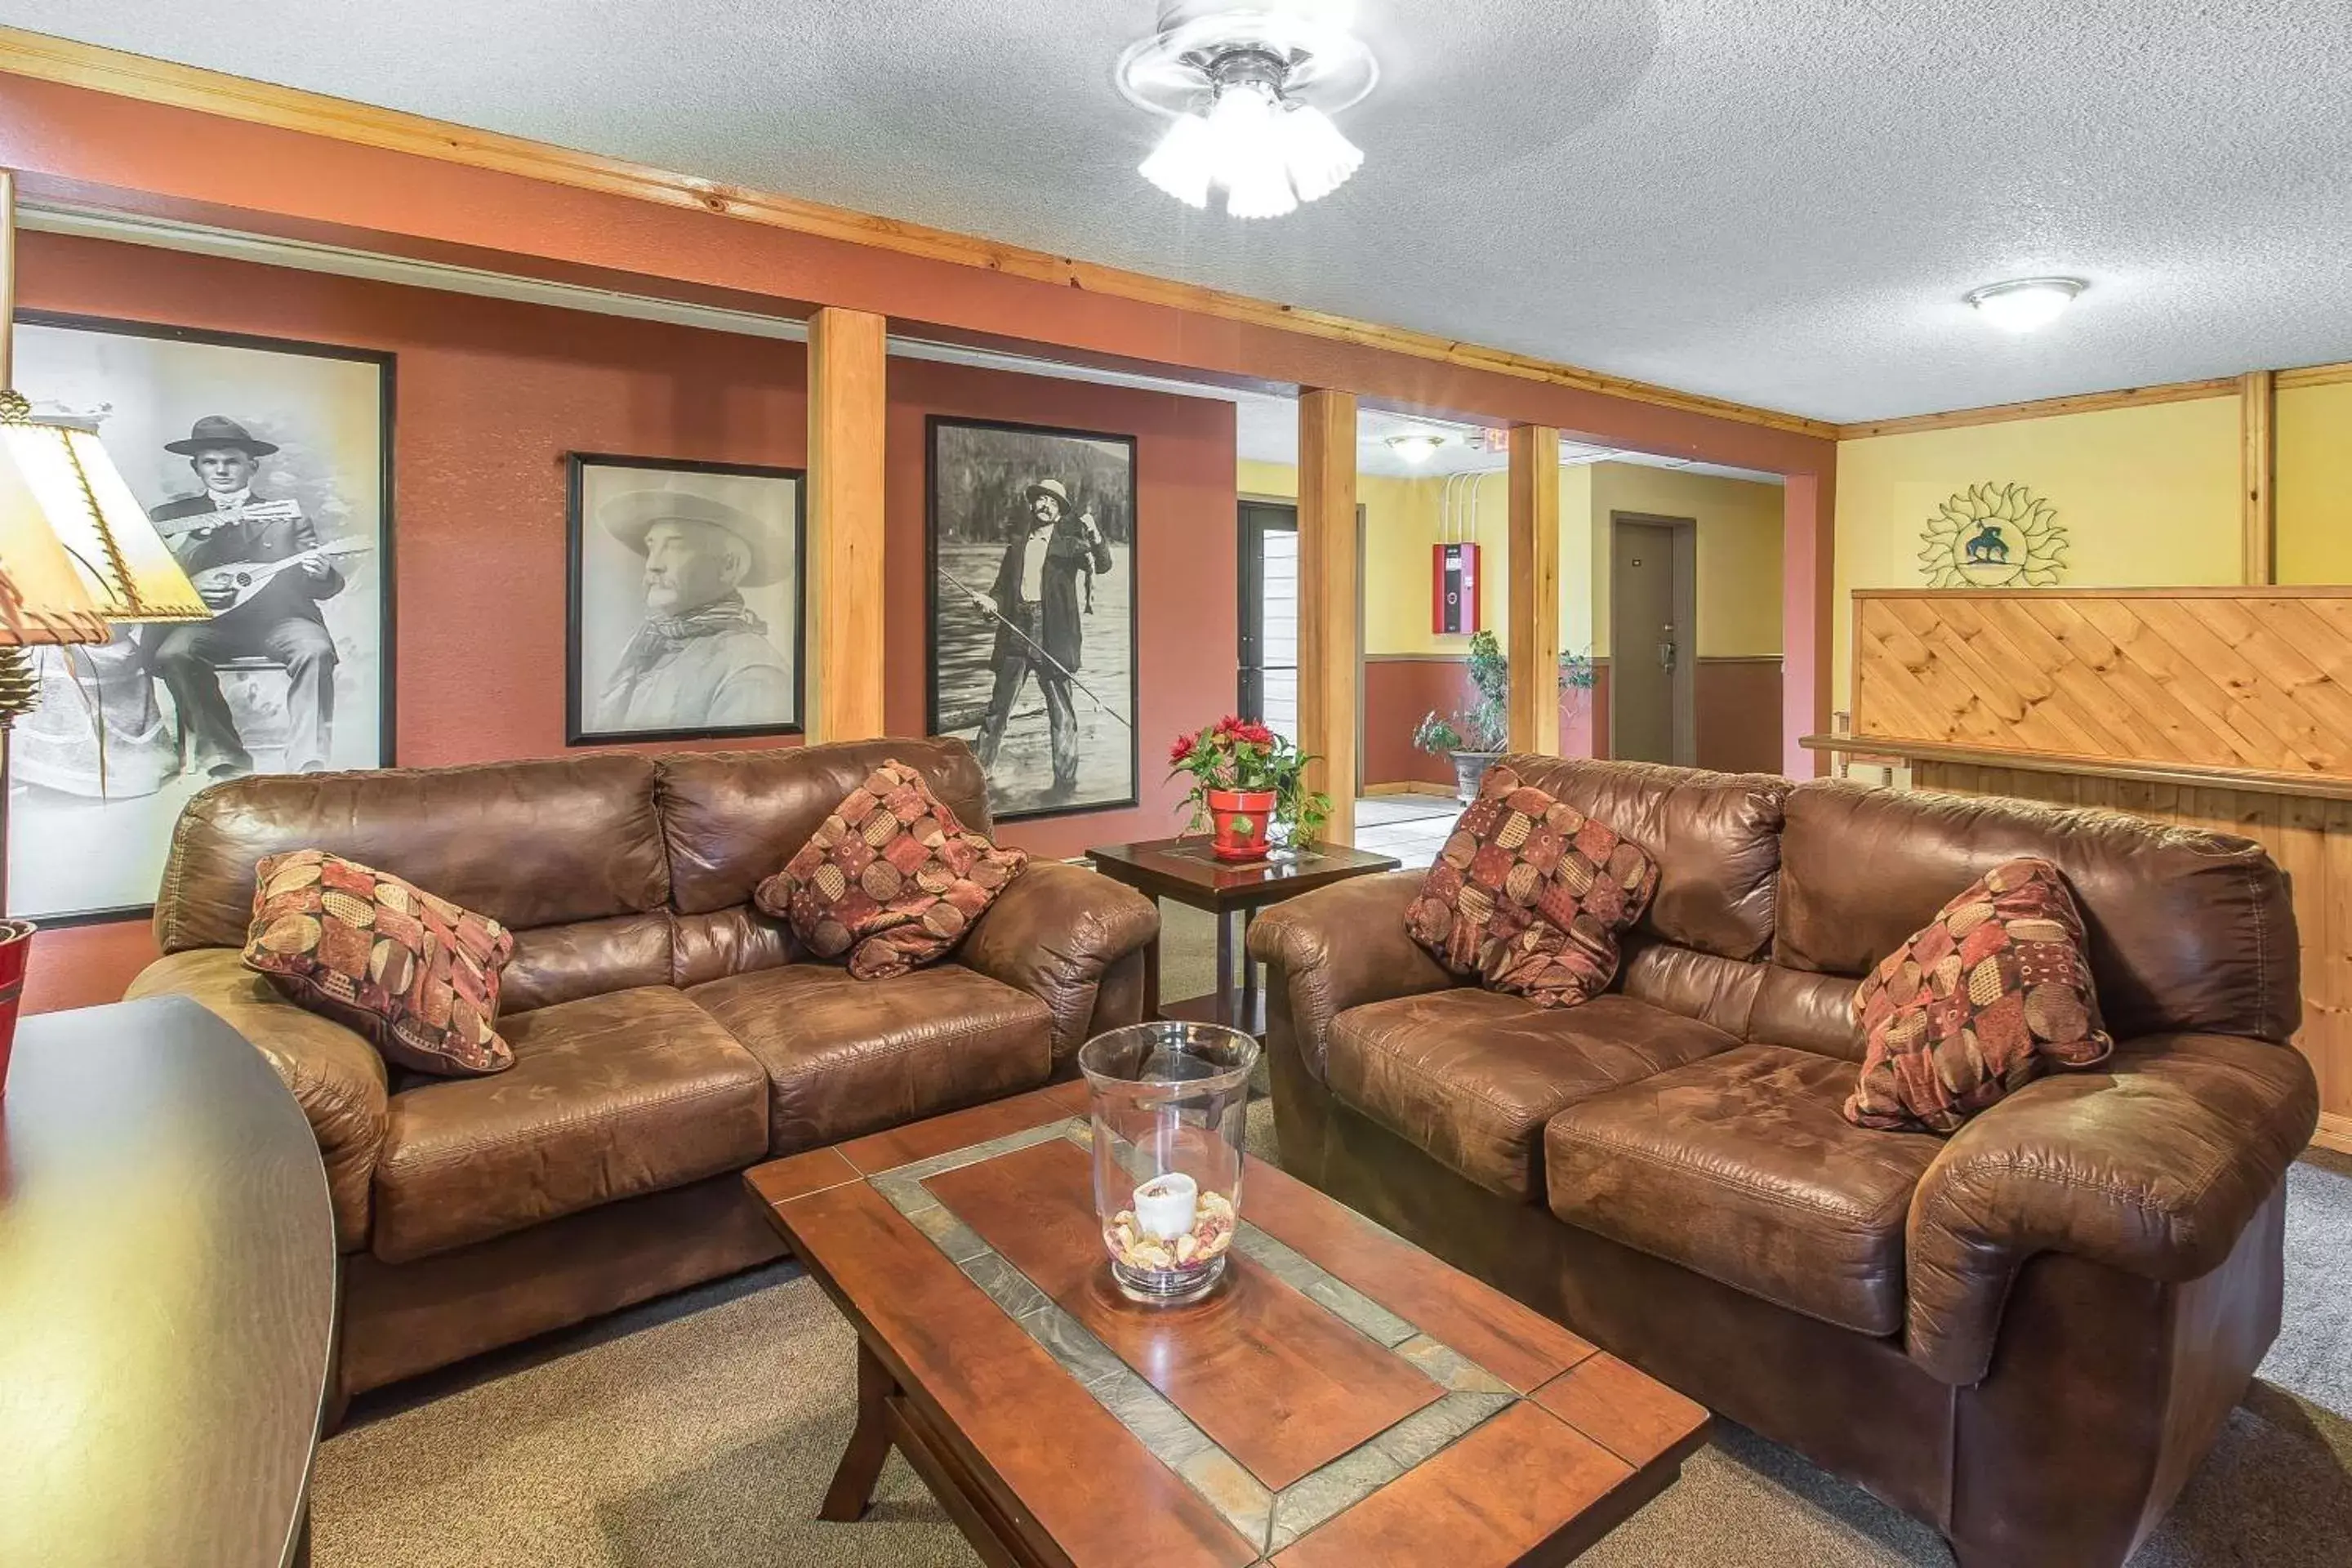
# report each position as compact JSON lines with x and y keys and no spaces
{"x":2257,"y":404}
{"x":1330,"y":642}
{"x":846,"y":409}
{"x":1535,"y":590}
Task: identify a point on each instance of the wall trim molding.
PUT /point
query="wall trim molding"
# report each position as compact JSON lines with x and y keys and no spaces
{"x":121,"y":74}
{"x":2335,"y":1130}
{"x":2045,"y":408}
{"x":2096,"y":402}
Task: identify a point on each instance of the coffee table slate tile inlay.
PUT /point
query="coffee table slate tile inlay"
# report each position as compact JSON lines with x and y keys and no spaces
{"x":1318,"y":1423}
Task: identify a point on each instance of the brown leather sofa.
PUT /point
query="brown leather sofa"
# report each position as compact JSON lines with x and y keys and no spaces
{"x":2027,"y":1334}
{"x":667,"y":1035}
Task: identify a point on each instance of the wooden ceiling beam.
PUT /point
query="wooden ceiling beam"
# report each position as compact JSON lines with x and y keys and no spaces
{"x":41,"y":57}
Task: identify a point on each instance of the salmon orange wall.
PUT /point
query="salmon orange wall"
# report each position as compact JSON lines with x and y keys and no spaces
{"x":2147,"y":495}
{"x":492,"y":394}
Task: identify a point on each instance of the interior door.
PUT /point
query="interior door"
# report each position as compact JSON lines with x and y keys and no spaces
{"x":1269,"y":616}
{"x":1652,"y":656}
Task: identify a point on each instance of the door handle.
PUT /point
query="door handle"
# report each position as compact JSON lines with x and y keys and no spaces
{"x":1666,"y":657}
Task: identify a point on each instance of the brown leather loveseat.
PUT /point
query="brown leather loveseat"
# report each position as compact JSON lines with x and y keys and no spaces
{"x":2027,"y":1334}
{"x":667,"y":1035}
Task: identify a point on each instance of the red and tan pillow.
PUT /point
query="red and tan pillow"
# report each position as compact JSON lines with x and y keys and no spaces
{"x":1531,"y":895}
{"x":891,"y":877}
{"x":413,"y":972}
{"x":1996,"y":988}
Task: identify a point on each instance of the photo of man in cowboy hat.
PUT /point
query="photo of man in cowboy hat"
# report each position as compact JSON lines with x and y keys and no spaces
{"x":268,"y":607}
{"x":1036,"y":602}
{"x":700,"y":658}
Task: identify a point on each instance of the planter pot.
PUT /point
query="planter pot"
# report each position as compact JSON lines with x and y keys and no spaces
{"x":16,"y":948}
{"x":1238,"y":819}
{"x":1470,"y":772}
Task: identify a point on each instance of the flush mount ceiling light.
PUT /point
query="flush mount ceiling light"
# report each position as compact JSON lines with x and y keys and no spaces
{"x":2025,"y":303}
{"x":1417,"y":447}
{"x":1251,"y":91}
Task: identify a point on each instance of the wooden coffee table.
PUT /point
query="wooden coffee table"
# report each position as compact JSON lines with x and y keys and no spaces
{"x":1185,"y":870}
{"x":1343,"y":1399}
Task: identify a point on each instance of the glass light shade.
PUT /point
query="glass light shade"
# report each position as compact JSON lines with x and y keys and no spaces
{"x":1416,"y":448}
{"x":2026,"y":304}
{"x":1169,"y":1102}
{"x":77,"y":549}
{"x":1320,"y":160}
{"x":1184,"y":162}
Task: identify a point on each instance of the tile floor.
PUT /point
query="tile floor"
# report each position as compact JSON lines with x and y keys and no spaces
{"x":1412,"y":827}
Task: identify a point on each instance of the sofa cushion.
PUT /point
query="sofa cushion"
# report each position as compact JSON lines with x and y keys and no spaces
{"x":609,"y":1097}
{"x":891,"y":877}
{"x":1993,"y":989}
{"x":411,"y":971}
{"x":1470,"y":1077}
{"x":1529,"y":895}
{"x":1715,"y":837}
{"x":1742,"y":1168}
{"x":847,"y":1057}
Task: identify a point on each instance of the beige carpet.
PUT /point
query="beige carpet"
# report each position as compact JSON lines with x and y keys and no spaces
{"x":699,"y":1433}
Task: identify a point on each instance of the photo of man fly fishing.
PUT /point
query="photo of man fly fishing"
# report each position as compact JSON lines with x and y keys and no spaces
{"x":1033,"y":621}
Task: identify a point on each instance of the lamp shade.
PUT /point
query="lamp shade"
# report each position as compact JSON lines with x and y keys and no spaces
{"x":76,"y":550}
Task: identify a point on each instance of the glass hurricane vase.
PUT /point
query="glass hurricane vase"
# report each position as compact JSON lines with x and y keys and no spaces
{"x":1168,"y":1099}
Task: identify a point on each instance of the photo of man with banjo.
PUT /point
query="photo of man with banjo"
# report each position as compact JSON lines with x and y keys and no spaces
{"x":1032,"y":630}
{"x":265,"y":467}
{"x":259,"y":565}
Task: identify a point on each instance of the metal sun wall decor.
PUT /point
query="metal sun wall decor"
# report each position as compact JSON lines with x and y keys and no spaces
{"x":1993,"y":536}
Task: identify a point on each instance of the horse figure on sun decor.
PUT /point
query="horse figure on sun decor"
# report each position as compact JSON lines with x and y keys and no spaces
{"x":1993,"y":536}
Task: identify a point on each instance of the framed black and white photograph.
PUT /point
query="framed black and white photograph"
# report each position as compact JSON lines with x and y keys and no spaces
{"x":1033,"y":632}
{"x":267,"y":466}
{"x":686,"y":600}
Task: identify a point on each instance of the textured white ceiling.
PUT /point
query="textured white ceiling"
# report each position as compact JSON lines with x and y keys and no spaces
{"x":1777,"y":201}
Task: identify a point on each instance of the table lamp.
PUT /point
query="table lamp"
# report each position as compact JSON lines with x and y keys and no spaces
{"x":78,"y":557}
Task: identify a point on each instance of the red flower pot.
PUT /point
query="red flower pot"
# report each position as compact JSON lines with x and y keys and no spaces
{"x":1238,"y":818}
{"x":16,"y":947}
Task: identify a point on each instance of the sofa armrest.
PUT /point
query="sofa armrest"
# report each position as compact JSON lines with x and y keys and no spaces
{"x":1053,"y":933}
{"x":337,"y":1076}
{"x":2151,"y":1165}
{"x":1339,"y":947}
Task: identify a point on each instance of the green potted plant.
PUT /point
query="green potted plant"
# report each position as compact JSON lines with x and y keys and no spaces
{"x":1246,"y":779}
{"x":1475,"y":736}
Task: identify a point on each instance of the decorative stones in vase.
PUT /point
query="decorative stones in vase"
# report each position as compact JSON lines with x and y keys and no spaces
{"x":1168,"y":1101}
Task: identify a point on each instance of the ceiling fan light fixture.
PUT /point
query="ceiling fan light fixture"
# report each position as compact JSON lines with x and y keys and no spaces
{"x":2024,"y":304}
{"x":1251,"y":90}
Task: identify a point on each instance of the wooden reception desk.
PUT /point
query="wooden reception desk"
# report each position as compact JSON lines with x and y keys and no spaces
{"x":2222,"y":707}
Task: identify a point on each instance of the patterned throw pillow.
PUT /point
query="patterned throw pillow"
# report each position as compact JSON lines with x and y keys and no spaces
{"x":892,"y":879}
{"x":1529,"y":895}
{"x":414,"y":973}
{"x":1975,"y":1005}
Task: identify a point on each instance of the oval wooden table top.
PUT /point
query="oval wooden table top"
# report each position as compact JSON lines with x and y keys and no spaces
{"x":167,"y":1294}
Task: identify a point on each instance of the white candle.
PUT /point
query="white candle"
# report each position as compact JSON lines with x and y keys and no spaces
{"x":1165,"y":1205}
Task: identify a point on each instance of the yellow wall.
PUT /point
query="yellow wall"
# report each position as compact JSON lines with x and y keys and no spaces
{"x":1738,"y":552}
{"x":2148,"y":498}
{"x":2314,"y":483}
{"x":1740,"y":526}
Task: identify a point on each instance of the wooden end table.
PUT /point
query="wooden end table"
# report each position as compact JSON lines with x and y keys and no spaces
{"x":1184,"y":870}
{"x":1343,"y":1398}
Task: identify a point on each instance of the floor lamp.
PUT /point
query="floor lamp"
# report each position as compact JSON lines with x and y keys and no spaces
{"x":78,"y":557}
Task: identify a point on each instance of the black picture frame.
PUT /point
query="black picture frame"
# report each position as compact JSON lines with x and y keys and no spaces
{"x":577,"y":464}
{"x":933,"y":425}
{"x":388,"y":622}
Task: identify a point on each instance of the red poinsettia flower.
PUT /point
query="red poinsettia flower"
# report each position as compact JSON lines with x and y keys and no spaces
{"x":1228,"y":725}
{"x":1180,"y":750}
{"x":1256,"y":735}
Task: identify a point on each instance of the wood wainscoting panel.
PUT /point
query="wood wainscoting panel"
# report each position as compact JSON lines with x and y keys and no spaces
{"x":2232,"y":678}
{"x":2310,"y":838}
